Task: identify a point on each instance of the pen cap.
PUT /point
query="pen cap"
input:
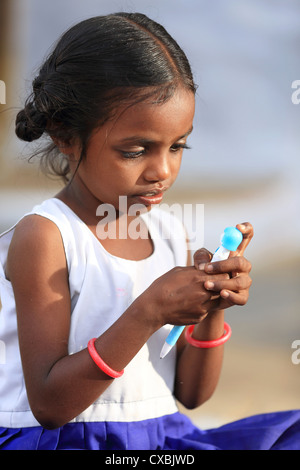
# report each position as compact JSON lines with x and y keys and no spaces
{"x":231,"y":238}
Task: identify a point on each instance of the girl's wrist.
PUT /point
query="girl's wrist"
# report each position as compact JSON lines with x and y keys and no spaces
{"x":211,"y":327}
{"x":142,"y":314}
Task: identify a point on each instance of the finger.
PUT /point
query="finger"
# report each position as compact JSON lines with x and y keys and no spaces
{"x":235,"y":284}
{"x":237,"y":264}
{"x":208,"y":306}
{"x":235,"y":298}
{"x":201,"y":257}
{"x":247,"y":231}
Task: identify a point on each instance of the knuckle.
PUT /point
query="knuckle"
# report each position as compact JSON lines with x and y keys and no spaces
{"x":177,"y":269}
{"x":242,"y":264}
{"x":244,"y":299}
{"x":239,"y":263}
{"x":240,"y":283}
{"x":220,"y":277}
{"x":246,"y":265}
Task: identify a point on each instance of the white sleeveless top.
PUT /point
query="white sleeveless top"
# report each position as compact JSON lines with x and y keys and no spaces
{"x":102,"y":286}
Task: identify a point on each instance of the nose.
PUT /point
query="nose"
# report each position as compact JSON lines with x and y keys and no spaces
{"x":158,"y":168}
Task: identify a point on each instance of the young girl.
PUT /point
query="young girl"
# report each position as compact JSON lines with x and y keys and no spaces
{"x":86,"y":309}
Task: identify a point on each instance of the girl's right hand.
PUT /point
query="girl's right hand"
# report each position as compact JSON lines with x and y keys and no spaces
{"x":179,"y":297}
{"x":185,"y":295}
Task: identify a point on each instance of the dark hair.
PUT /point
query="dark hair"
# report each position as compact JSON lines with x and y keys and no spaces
{"x":96,"y":65}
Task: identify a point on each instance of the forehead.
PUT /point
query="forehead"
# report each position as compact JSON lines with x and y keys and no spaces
{"x":162,"y":122}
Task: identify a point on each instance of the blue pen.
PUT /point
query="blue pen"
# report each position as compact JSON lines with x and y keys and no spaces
{"x":171,"y":340}
{"x":230,"y":240}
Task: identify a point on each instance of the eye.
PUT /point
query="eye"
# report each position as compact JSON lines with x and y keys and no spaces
{"x":129,"y":155}
{"x":177,"y":147}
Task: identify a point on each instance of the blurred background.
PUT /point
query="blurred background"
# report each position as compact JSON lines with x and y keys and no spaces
{"x":244,"y":163}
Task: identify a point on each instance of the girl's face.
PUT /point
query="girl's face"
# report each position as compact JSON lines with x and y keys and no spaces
{"x":138,"y":153}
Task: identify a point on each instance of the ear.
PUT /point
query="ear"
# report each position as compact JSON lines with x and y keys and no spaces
{"x":67,"y":148}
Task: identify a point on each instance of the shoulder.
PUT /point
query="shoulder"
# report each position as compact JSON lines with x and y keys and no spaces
{"x":35,"y":224}
{"x":35,"y":231}
{"x":36,"y":239}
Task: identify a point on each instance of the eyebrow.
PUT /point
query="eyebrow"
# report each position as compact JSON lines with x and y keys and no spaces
{"x":187,"y":133}
{"x":145,"y":141}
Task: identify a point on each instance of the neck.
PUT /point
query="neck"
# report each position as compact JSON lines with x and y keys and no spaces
{"x":94,"y":212}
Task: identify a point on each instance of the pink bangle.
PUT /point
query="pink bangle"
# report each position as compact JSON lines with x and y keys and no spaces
{"x":100,"y":363}
{"x":207,"y":344}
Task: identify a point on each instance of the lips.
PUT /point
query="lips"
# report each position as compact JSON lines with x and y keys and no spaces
{"x":150,"y":197}
{"x":155,"y":199}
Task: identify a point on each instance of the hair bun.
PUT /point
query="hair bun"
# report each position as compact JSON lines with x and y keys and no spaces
{"x":30,"y":124}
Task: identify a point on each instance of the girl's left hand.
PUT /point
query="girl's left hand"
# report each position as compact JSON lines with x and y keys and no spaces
{"x":232,"y":283}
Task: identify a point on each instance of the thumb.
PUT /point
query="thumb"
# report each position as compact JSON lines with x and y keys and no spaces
{"x":201,"y":256}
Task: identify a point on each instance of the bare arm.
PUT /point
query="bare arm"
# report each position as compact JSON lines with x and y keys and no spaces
{"x":60,"y":386}
{"x":198,"y":370}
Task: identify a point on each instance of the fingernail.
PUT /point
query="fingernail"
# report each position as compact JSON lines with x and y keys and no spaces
{"x":209,"y":267}
{"x":201,"y":266}
{"x":209,"y":285}
{"x":225,"y":294}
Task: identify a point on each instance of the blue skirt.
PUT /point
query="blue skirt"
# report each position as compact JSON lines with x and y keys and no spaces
{"x":272,"y":431}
